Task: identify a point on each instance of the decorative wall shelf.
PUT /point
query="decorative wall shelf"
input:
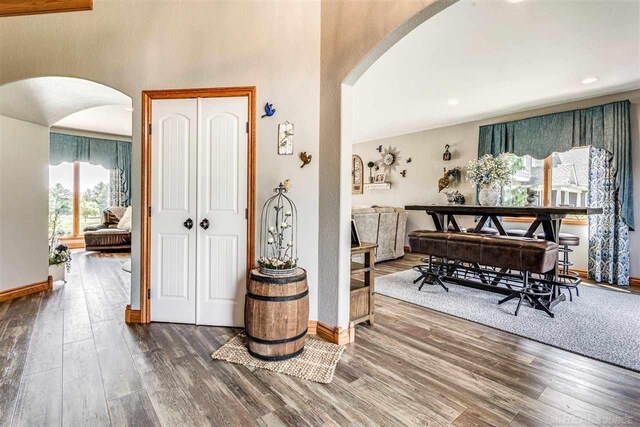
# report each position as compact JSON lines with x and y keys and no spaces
{"x":378,"y":186}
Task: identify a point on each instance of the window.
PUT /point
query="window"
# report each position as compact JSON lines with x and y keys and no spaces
{"x":94,"y":194}
{"x":61,"y":199}
{"x":561,"y":179}
{"x":78,"y":193}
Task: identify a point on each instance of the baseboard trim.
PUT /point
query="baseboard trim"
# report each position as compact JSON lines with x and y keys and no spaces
{"x":335,"y":335}
{"x":131,"y":315}
{"x":312,"y":328}
{"x":25,"y":290}
{"x":633,"y":281}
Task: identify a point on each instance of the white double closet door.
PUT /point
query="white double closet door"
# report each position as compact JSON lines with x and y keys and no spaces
{"x":198,"y":210}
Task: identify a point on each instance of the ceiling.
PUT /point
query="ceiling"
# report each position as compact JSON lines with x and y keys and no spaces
{"x":497,"y":57}
{"x":48,"y":100}
{"x":111,"y":119}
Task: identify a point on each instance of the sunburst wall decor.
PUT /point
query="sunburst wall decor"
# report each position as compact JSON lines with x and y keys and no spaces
{"x":390,"y":157}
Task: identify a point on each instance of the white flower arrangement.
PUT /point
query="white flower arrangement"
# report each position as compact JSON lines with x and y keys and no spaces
{"x":489,"y":171}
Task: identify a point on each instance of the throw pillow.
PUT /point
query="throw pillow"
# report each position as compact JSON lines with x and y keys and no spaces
{"x":125,"y":221}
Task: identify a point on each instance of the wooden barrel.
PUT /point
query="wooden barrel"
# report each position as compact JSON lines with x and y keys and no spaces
{"x":276,"y":315}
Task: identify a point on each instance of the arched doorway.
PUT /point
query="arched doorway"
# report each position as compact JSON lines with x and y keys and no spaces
{"x":72,"y":162}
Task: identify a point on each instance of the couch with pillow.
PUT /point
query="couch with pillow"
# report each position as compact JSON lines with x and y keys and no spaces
{"x":385,"y":226}
{"x":114,"y":234}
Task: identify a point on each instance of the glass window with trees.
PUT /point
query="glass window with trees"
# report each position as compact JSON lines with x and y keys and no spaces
{"x":78,"y":193}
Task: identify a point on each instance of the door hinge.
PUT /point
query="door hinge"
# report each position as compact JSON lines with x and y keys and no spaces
{"x":149,"y":128}
{"x":247,"y":129}
{"x":246,"y":214}
{"x":148,"y":293}
{"x":149,"y":211}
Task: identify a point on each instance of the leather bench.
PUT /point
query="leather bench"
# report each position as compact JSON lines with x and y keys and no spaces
{"x":515,"y":253}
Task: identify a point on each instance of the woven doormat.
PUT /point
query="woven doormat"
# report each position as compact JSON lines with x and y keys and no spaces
{"x":316,"y":363}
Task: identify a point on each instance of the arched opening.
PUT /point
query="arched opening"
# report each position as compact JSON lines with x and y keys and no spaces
{"x":76,"y":163}
{"x":439,"y":81}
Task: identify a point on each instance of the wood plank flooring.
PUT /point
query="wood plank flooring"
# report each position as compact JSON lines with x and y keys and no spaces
{"x":67,"y":358}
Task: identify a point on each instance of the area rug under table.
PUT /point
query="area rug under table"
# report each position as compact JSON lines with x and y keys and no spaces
{"x":602,"y":324}
{"x":316,"y":363}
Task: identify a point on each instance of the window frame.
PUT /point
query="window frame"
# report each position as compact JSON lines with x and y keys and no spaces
{"x":546,"y":197}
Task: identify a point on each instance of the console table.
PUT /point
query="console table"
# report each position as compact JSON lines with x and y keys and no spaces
{"x":361,"y":305}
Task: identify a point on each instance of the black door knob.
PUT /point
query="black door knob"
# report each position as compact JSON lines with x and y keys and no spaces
{"x":204,"y":224}
{"x":188,"y":224}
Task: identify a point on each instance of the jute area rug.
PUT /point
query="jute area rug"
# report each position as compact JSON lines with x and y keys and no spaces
{"x":316,"y":363}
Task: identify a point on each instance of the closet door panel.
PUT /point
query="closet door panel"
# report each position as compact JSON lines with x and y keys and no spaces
{"x":173,"y":201}
{"x":222,"y":200}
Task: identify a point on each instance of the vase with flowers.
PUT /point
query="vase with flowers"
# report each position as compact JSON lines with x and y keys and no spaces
{"x":487,"y":174}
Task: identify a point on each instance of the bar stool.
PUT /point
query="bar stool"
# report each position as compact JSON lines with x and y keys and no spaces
{"x":565,"y":240}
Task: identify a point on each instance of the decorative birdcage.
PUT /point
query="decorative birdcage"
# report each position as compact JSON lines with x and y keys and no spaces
{"x":278,"y":234}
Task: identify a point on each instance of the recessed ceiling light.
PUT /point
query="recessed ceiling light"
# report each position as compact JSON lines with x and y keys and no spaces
{"x":128,"y":108}
{"x":452,"y":101}
{"x":514,"y":1}
{"x":589,"y":80}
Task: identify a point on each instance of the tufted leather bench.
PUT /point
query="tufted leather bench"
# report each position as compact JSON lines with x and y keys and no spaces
{"x":515,"y":253}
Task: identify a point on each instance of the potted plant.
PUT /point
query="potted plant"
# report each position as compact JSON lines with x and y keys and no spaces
{"x":487,"y":173}
{"x":59,"y":254}
{"x":59,"y":262}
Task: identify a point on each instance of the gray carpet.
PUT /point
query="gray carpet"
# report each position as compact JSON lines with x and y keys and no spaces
{"x":601,"y":324}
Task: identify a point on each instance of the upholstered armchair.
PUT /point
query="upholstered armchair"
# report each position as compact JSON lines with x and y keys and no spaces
{"x":385,"y":226}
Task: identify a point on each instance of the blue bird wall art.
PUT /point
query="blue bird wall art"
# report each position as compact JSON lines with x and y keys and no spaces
{"x":268,"y":110}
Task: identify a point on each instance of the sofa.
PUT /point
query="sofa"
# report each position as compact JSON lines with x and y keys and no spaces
{"x":385,"y":226}
{"x":107,"y":236}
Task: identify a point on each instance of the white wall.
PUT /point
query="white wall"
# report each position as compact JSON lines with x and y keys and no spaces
{"x":272,"y":45}
{"x":426,"y":148}
{"x":24,"y":205}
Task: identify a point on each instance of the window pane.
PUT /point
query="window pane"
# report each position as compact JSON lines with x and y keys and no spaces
{"x":61,"y":199}
{"x":94,"y":194}
{"x":570,"y":178}
{"x":528,"y":173}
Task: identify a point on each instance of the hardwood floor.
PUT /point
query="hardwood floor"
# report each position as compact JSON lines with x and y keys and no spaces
{"x":66,"y":357}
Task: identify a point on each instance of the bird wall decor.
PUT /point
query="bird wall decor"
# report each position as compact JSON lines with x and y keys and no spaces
{"x":306,"y":158}
{"x":379,"y":149}
{"x":409,"y":159}
{"x":404,"y":173}
{"x":268,"y":110}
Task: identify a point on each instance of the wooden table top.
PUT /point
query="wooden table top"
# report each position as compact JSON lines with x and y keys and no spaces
{"x":504,"y":210}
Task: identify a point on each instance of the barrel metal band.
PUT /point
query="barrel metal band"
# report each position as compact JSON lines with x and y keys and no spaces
{"x":275,"y":358}
{"x":279,"y":280}
{"x":282,"y":341}
{"x":278,"y":299}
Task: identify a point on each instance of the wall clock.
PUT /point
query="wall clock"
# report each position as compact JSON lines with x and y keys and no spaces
{"x":356,"y":175}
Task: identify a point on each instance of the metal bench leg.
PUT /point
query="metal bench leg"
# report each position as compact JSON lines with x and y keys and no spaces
{"x":543,"y":307}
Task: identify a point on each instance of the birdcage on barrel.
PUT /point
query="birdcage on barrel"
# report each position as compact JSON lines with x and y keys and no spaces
{"x":278,"y":234}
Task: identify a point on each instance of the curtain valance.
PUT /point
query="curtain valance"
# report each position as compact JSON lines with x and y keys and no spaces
{"x":108,"y":153}
{"x":605,"y":126}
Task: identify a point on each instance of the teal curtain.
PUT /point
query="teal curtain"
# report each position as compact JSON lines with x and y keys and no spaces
{"x":607,"y":127}
{"x":110,"y":154}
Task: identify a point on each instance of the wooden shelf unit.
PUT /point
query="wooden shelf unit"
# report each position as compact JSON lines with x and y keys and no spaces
{"x":362,"y":300}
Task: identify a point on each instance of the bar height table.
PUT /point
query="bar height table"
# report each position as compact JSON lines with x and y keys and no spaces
{"x":549,"y":217}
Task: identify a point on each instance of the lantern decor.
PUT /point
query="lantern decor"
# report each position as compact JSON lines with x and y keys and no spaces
{"x":278,"y":234}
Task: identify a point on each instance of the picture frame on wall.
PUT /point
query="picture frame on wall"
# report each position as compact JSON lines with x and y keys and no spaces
{"x":380,"y":178}
{"x":285,"y":138}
